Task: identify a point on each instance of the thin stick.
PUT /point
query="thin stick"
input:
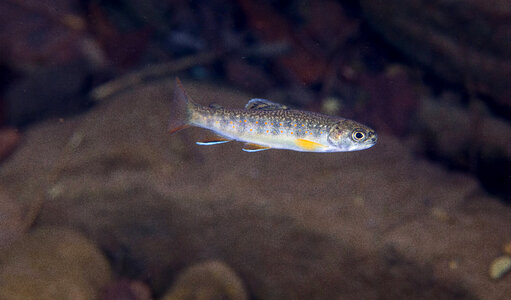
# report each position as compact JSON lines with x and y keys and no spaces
{"x":159,"y":70}
{"x":164,"y":69}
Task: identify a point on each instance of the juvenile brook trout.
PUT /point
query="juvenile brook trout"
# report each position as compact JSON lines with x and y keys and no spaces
{"x":264,"y":125}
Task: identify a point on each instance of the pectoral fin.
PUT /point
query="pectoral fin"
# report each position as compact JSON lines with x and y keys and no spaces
{"x":214,"y":140}
{"x":249,"y":147}
{"x":308,"y":145}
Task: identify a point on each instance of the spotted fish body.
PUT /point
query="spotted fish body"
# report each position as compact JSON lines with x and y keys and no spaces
{"x":266,"y":125}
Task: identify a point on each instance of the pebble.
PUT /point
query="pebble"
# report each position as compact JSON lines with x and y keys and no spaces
{"x":440,"y":214}
{"x":207,"y":280}
{"x":500,"y":266}
{"x":331,"y":106}
{"x":126,"y":289}
{"x":454,"y":264}
{"x":53,"y":263}
{"x":507,"y":248}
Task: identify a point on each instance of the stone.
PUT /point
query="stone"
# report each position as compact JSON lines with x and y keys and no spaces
{"x":53,"y":263}
{"x":12,"y":223}
{"x":207,"y":281}
{"x":465,"y":41}
{"x":9,"y":140}
{"x":500,"y":267}
{"x":127,"y":290}
{"x":293,"y":225}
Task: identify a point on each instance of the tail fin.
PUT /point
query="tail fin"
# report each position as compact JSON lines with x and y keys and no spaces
{"x":180,"y":109}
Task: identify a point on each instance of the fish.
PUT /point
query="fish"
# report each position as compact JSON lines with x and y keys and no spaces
{"x":264,"y":125}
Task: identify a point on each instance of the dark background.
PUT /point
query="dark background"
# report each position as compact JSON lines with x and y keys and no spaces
{"x":374,"y":61}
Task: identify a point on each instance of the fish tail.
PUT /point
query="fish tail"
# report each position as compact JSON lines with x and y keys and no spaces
{"x":180,"y":109}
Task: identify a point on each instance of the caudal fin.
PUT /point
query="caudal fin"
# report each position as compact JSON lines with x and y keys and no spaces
{"x":180,"y":107}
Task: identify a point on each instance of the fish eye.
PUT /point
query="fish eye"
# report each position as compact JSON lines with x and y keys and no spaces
{"x":358,"y":135}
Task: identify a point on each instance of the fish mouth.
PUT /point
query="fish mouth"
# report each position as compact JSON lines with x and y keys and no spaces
{"x":369,"y":143}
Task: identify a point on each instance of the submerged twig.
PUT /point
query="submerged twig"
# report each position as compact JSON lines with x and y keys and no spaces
{"x":164,"y":69}
{"x":70,"y":21}
{"x":108,"y":89}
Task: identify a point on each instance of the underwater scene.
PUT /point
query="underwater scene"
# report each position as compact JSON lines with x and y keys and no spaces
{"x":265,"y":150}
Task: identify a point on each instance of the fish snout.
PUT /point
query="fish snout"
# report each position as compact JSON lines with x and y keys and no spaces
{"x":372,"y":137}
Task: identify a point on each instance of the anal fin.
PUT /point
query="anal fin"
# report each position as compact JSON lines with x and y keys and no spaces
{"x":250,"y":147}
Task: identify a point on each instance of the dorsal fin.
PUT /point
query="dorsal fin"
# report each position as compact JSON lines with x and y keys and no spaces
{"x":215,"y":105}
{"x":263,"y":104}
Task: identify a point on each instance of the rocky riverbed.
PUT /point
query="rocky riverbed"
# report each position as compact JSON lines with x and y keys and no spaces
{"x":375,"y":224}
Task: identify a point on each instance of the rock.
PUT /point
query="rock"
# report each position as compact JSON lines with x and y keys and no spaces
{"x":47,"y":91}
{"x":393,"y":100}
{"x":294,"y":225}
{"x":11,"y":220}
{"x":9,"y":139}
{"x":467,"y":140}
{"x":269,"y":26}
{"x":247,"y":76}
{"x":464,"y":41}
{"x":331,"y":106}
{"x":207,"y":281}
{"x":500,"y":267}
{"x":53,"y":263}
{"x":126,"y":290}
{"x":21,"y":23}
{"x":507,"y":248}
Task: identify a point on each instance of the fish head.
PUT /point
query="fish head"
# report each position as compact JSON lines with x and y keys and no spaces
{"x":348,"y":135}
